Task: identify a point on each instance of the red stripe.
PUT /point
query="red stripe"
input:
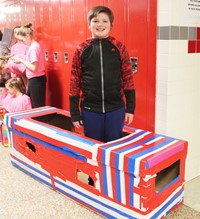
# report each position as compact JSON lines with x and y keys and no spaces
{"x":53,"y":141}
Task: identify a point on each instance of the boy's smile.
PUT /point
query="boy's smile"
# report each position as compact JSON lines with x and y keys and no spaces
{"x":100,"y":26}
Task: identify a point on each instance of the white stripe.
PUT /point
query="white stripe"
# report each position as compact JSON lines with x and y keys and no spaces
{"x":114,"y":205}
{"x":136,"y":196}
{"x":46,"y":131}
{"x":121,"y":163}
{"x":154,"y":140}
{"x":27,"y":112}
{"x":108,"y":150}
{"x":122,"y":156}
{"x":123,"y":187}
{"x":125,"y":137}
{"x":97,"y":184}
{"x":103,"y":200}
{"x":136,"y":201}
{"x":176,"y":201}
{"x":109,"y":181}
{"x":29,"y":170}
{"x":96,"y":205}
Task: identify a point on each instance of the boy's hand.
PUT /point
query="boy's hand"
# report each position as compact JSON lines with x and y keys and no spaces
{"x":128,"y":118}
{"x":78,"y":124}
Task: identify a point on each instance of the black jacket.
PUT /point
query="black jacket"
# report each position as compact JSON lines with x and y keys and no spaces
{"x":102,"y":73}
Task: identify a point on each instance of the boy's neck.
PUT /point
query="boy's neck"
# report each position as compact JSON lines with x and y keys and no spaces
{"x":96,"y":38}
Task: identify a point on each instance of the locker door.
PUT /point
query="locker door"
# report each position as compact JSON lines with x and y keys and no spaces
{"x":74,"y":31}
{"x":68,"y":47}
{"x":135,"y":26}
{"x":55,"y":89}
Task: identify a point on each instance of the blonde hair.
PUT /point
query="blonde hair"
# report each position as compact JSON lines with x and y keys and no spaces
{"x":17,"y":83}
{"x":24,"y":30}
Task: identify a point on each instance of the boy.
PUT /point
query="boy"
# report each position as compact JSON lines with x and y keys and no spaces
{"x":102,"y":74}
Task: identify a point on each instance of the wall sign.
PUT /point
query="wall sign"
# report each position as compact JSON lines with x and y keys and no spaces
{"x":192,"y":9}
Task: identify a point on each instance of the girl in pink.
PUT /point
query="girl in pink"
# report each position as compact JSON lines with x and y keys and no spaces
{"x":15,"y":99}
{"x":18,"y":49}
{"x":34,"y":63}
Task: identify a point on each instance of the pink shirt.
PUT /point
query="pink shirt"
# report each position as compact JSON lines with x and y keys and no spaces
{"x":14,"y":103}
{"x":19,"y":49}
{"x":3,"y":94}
{"x":16,"y":69}
{"x":35,"y":54}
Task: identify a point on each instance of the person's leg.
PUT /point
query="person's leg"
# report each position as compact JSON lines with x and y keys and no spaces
{"x":114,"y":123}
{"x":37,"y":91}
{"x":93,"y":124}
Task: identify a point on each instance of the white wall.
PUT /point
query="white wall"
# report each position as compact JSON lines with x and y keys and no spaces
{"x":178,"y":83}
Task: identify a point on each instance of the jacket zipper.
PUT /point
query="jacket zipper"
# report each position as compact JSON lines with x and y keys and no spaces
{"x":102,"y":77}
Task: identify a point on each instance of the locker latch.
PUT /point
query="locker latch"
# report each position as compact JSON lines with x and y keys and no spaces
{"x":46,"y":55}
{"x":134,"y":63}
{"x":66,"y":58}
{"x":55,"y":56}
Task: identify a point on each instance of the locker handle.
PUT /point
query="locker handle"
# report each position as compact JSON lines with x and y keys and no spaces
{"x":55,"y":56}
{"x":66,"y":57}
{"x":46,"y":55}
{"x":134,"y":63}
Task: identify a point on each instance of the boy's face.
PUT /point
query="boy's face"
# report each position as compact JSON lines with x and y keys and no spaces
{"x":100,"y":26}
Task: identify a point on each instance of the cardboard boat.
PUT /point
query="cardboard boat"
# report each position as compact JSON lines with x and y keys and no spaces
{"x":140,"y":175}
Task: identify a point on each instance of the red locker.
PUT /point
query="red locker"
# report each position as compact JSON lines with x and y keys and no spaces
{"x":61,"y":25}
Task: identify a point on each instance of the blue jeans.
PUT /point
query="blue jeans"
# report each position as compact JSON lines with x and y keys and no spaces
{"x":103,"y":126}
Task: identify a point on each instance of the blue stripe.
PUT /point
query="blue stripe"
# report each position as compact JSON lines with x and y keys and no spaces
{"x":104,"y":179}
{"x":117,"y":154}
{"x":126,"y":141}
{"x":118,"y":185}
{"x":31,"y":174}
{"x":71,"y":188}
{"x":73,"y":137}
{"x":169,"y":184}
{"x":103,"y":204}
{"x":63,"y":150}
{"x":58,"y":131}
{"x":23,"y":115}
{"x":116,"y":164}
{"x":133,"y":158}
{"x":163,"y":209}
{"x":131,"y":191}
{"x":129,"y":127}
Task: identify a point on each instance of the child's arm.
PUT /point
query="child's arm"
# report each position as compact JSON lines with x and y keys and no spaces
{"x":2,"y":109}
{"x":31,"y":66}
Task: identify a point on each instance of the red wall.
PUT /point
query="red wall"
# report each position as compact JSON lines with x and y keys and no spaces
{"x":60,"y":25}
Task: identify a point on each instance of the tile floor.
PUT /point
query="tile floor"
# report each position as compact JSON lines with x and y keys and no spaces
{"x":22,"y":197}
{"x":192,"y":193}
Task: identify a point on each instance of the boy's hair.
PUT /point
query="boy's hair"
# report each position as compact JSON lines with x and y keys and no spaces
{"x":99,"y":9}
{"x":24,"y":30}
{"x":16,"y":82}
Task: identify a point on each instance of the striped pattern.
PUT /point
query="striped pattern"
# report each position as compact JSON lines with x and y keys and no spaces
{"x":124,"y":170}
